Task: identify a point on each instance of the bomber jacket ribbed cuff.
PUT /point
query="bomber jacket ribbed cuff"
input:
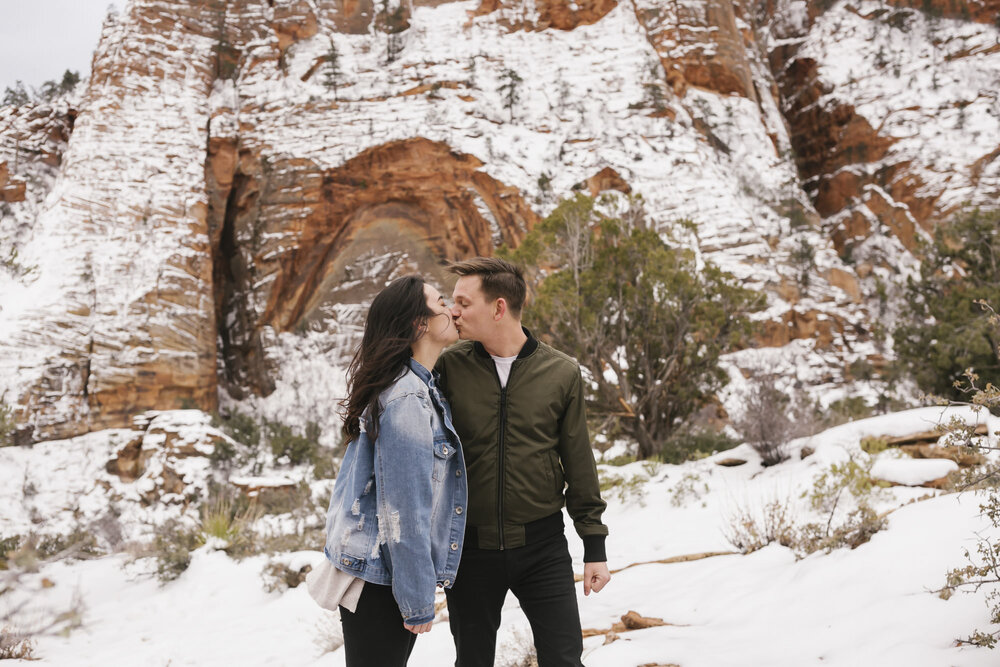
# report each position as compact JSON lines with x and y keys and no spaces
{"x":593,"y":549}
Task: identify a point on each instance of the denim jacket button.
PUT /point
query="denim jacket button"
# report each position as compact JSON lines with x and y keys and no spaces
{"x":458,"y":473}
{"x":454,"y":546}
{"x":447,"y":582}
{"x":458,"y":510}
{"x":346,"y":561}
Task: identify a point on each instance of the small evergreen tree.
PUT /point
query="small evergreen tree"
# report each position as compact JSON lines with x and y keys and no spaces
{"x":510,"y":90}
{"x":393,"y":23}
{"x":646,"y":322}
{"x":333,"y":72}
{"x":69,"y":81}
{"x":16,"y":96}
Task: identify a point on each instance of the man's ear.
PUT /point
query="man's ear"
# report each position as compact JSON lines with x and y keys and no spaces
{"x":499,"y":309}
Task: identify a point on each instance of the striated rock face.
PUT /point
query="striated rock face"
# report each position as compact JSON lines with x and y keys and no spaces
{"x":607,"y":179}
{"x":700,"y":44}
{"x":981,"y":11}
{"x":213,"y":212}
{"x":557,"y":14}
{"x":10,"y":190}
{"x":880,"y":131}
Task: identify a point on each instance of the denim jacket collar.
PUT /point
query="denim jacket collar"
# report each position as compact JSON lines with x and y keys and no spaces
{"x":422,"y":372}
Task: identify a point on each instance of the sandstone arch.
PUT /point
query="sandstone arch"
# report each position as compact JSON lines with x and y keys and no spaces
{"x":280,"y":241}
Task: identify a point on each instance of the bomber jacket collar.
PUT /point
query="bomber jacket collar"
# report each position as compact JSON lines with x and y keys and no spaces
{"x":527,"y":349}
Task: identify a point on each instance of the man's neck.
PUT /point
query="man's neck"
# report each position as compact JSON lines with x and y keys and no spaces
{"x":507,"y":341}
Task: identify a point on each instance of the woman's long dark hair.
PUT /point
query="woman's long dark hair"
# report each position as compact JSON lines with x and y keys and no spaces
{"x":397,"y":316}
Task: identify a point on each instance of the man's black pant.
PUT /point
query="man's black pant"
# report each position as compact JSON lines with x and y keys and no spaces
{"x":374,"y":635}
{"x":541,"y":576}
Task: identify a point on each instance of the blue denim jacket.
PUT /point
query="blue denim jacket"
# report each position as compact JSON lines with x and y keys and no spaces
{"x":397,"y":515}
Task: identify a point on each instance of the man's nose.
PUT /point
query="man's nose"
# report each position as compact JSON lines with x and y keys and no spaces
{"x":454,"y":312}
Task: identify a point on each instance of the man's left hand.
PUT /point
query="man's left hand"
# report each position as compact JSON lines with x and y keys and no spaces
{"x":595,"y":577}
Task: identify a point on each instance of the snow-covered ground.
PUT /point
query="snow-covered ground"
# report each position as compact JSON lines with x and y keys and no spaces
{"x":873,"y":605}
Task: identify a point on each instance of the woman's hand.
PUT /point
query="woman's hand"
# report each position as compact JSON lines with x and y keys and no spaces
{"x":419,"y":629}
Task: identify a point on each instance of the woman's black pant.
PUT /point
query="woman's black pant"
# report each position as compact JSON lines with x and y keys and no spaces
{"x":374,"y":635}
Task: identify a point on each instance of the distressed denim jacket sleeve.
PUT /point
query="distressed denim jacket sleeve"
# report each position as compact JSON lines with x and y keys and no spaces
{"x":404,"y":456}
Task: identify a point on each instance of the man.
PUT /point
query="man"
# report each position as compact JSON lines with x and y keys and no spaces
{"x":518,"y":406}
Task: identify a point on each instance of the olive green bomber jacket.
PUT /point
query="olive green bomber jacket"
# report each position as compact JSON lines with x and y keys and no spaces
{"x":526,"y":446}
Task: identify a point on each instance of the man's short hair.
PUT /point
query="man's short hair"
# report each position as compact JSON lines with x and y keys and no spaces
{"x":500,"y":279}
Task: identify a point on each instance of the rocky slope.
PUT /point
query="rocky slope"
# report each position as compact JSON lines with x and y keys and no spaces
{"x":213,"y":208}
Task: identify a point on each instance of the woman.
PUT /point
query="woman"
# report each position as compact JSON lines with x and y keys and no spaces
{"x":396,"y":521}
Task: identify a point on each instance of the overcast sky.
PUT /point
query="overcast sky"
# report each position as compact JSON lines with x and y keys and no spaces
{"x":40,"y":39}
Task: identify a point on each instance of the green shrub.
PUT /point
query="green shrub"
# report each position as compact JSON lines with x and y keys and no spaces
{"x":285,"y":442}
{"x":223,"y":452}
{"x":943,"y":329}
{"x":844,"y":410}
{"x":830,"y":487}
{"x":6,"y":426}
{"x":229,"y":517}
{"x":8,"y":545}
{"x":873,"y":444}
{"x":690,"y":487}
{"x":620,"y":460}
{"x":172,"y":547}
{"x":857,"y":528}
{"x":624,"y":487}
{"x":694,"y":444}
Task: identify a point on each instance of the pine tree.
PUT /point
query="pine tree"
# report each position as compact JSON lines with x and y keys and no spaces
{"x":333,"y":71}
{"x":640,"y":315}
{"x":509,"y":90}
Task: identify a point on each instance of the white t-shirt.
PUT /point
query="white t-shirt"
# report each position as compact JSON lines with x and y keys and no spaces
{"x":503,"y":367}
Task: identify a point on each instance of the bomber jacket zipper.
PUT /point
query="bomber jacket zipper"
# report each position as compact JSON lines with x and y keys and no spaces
{"x":500,"y":458}
{"x":500,"y":446}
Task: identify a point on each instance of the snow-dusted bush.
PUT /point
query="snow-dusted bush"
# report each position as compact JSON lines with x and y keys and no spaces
{"x":770,"y":419}
{"x":172,"y":547}
{"x":229,"y":519}
{"x":624,"y":486}
{"x":983,"y":570}
{"x":279,"y":576}
{"x":15,"y":645}
{"x":750,"y":528}
{"x":690,"y":487}
{"x":6,"y":426}
{"x":847,"y":485}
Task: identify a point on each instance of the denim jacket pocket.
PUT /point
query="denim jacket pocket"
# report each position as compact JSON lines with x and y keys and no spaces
{"x":443,"y":451}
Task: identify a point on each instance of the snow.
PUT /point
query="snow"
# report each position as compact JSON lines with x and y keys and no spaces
{"x":768,"y":607}
{"x":912,"y":473}
{"x":94,"y":229}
